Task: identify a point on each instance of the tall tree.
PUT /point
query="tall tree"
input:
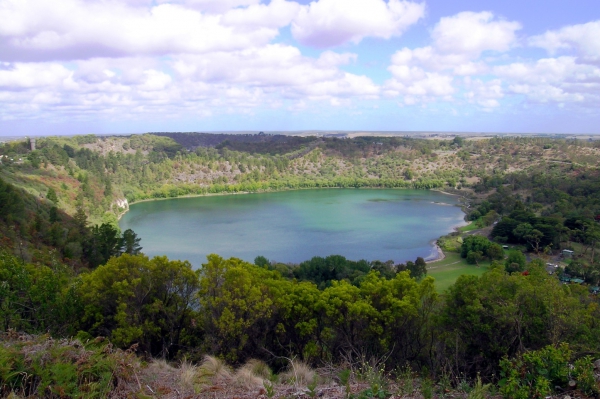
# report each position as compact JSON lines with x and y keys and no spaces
{"x":130,"y":243}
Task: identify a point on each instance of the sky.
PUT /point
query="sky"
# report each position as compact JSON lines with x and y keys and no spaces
{"x":131,"y":66}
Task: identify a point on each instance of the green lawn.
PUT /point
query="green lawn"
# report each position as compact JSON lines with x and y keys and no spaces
{"x":448,"y":270}
{"x":469,"y":227}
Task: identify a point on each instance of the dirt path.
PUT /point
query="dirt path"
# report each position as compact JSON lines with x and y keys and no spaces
{"x":449,"y":264}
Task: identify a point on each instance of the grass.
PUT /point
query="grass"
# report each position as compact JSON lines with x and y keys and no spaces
{"x":448,"y":270}
{"x":469,"y":227}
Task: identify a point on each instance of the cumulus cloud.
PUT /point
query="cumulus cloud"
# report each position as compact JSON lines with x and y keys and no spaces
{"x":279,"y":68}
{"x":84,"y":58}
{"x":472,"y":33}
{"x":484,"y":93}
{"x":415,"y":83}
{"x":583,"y":38}
{"x":559,"y":79}
{"x":328,"y":23}
{"x":457,"y":44}
{"x":213,"y":82}
{"x":117,"y":29}
{"x":211,"y":6}
{"x":25,"y":75}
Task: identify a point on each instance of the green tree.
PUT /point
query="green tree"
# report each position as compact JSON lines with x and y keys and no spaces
{"x":133,"y":299}
{"x":51,"y":195}
{"x":236,"y":305}
{"x":130,"y":243}
{"x":262,"y":261}
{"x":474,"y":257}
{"x":495,"y":252}
{"x":11,"y":203}
{"x":474,"y":243}
{"x":103,"y":243}
{"x":418,"y":269}
{"x":53,"y":215}
{"x":515,"y":261}
{"x":36,"y":298}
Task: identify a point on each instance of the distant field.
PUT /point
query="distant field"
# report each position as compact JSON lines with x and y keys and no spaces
{"x":448,"y":270}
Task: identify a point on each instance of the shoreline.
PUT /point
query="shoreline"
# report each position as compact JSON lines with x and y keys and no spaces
{"x":275,"y":191}
{"x":436,"y":255}
{"x":439,"y":256}
{"x":440,"y":253}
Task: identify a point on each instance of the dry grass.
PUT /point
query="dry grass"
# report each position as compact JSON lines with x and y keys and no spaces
{"x":253,"y":374}
{"x":215,"y":369}
{"x":299,"y":373}
{"x":244,"y":377}
{"x":188,"y":374}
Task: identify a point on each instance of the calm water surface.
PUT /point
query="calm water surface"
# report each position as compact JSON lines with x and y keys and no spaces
{"x":293,"y":226}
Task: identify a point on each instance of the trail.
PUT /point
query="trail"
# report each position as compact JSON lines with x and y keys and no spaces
{"x":449,"y":264}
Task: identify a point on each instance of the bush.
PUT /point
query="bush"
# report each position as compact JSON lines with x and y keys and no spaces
{"x":44,"y":367}
{"x":534,"y":374}
{"x":515,"y":261}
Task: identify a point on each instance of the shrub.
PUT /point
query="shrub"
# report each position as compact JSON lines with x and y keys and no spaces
{"x":44,"y":367}
{"x":534,"y":374}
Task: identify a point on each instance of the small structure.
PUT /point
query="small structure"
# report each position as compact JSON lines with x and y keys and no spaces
{"x":577,"y":281}
{"x":567,"y":253}
{"x":551,"y":268}
{"x":32,"y":143}
{"x":565,"y":278}
{"x":595,"y":290}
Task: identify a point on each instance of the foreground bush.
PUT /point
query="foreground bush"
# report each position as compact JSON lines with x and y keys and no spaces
{"x":537,"y":374}
{"x":43,"y":367}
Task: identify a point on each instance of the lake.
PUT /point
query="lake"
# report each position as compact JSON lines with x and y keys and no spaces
{"x":293,"y":226}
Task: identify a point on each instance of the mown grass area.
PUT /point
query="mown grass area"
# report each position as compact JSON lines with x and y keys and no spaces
{"x":469,"y":227}
{"x":448,"y":270}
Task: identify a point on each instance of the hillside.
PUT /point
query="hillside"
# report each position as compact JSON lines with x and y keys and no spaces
{"x":327,"y":327}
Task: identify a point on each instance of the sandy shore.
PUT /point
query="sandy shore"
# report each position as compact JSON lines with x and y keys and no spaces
{"x":437,"y":257}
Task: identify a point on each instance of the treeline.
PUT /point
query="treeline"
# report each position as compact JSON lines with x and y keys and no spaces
{"x":560,"y":211}
{"x":324,"y":271}
{"x":108,"y":169}
{"x":237,"y":310}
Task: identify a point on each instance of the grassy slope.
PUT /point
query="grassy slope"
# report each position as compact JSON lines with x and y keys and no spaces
{"x":450,"y":268}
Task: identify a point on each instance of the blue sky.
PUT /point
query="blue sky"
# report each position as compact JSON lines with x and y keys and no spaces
{"x":99,"y":66}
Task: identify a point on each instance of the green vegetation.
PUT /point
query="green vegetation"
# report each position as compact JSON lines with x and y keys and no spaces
{"x":480,"y":320}
{"x":446,"y":271}
{"x":43,"y":367}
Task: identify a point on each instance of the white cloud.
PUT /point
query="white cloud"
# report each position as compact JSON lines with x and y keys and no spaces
{"x":484,"y":93}
{"x":559,"y":79}
{"x":472,"y":33}
{"x":550,"y":70}
{"x":426,"y":73}
{"x":416,"y":83}
{"x":113,"y":28}
{"x":458,"y":42}
{"x":277,"y":14}
{"x":327,"y":23}
{"x":584,"y":38}
{"x":278,"y":68}
{"x":211,"y":6}
{"x":26,"y":75}
{"x":215,"y":82}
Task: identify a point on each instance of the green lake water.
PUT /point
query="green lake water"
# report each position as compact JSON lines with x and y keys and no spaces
{"x":293,"y":226}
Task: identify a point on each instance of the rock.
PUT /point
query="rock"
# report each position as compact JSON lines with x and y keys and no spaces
{"x":597,"y":364}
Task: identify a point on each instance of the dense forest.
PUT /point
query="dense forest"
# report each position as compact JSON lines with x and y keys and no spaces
{"x":85,"y":314}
